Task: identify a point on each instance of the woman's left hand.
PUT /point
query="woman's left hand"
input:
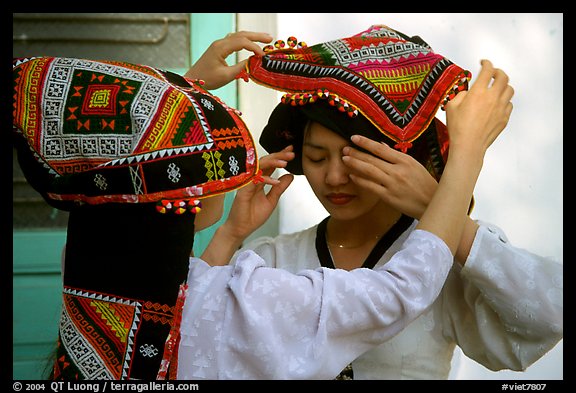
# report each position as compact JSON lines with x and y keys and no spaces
{"x":398,"y":178}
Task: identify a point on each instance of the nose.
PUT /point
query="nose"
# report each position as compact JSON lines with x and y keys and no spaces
{"x":337,"y":173}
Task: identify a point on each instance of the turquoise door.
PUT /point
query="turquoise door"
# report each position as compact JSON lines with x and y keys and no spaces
{"x":39,"y":232}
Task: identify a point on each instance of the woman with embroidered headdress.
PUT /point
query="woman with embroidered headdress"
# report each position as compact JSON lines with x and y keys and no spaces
{"x":130,"y":150}
{"x":501,"y":305}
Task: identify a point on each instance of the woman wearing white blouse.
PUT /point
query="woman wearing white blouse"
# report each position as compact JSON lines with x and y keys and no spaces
{"x":247,"y":321}
{"x":502,"y":305}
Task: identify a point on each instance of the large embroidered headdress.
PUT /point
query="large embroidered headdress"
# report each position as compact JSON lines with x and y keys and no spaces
{"x":393,"y":82}
{"x":100,"y":131}
{"x":115,"y":143}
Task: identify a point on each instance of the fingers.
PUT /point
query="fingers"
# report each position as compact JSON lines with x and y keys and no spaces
{"x":484,"y":76}
{"x":234,"y":69}
{"x":509,"y":108}
{"x":276,"y":192}
{"x":367,"y":184}
{"x":276,"y":160}
{"x":508,"y":93}
{"x":494,"y":78}
{"x":380,"y":151}
{"x":364,"y":165}
{"x":252,"y":36}
{"x":239,"y":40}
{"x":500,"y":85}
{"x":479,"y":115}
{"x":506,"y":97}
{"x":273,"y":161}
{"x":456,"y":100}
{"x":375,"y":165}
{"x":367,"y":171}
{"x":212,"y":66}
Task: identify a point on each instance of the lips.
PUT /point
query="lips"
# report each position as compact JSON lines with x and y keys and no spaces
{"x":340,"y":199}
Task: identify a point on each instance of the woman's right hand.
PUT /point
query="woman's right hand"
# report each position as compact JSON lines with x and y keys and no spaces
{"x":212,"y":67}
{"x":475,"y":118}
{"x":252,"y":205}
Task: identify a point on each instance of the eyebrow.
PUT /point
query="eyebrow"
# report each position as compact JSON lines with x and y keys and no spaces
{"x":313,"y":145}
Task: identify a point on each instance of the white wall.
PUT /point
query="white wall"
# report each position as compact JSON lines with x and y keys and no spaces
{"x":521,"y":185}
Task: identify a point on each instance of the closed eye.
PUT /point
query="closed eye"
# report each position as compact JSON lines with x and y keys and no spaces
{"x":314,"y":153}
{"x":315,"y":159}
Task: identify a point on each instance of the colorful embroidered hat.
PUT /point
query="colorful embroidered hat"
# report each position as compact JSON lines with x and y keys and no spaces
{"x":397,"y":83}
{"x":100,"y":131}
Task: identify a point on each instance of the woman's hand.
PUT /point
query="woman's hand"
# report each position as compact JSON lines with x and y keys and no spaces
{"x":251,"y":208}
{"x":212,"y":68}
{"x":252,"y":205}
{"x":398,"y":178}
{"x":476,"y":117}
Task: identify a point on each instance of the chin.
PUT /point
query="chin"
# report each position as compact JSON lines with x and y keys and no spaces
{"x":349,"y":212}
{"x":342,"y":212}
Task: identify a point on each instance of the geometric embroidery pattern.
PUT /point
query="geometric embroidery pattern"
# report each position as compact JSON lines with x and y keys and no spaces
{"x":111,"y":131}
{"x":97,"y":332}
{"x":397,"y":82}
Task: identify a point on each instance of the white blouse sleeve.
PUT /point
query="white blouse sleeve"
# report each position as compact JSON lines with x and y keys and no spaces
{"x":511,"y":313}
{"x":263,"y":246}
{"x":248,"y":321}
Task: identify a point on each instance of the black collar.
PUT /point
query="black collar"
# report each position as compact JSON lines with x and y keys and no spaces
{"x":379,"y":249}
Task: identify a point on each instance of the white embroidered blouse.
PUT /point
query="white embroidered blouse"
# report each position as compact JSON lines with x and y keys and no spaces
{"x":504,"y":308}
{"x":249,"y":321}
